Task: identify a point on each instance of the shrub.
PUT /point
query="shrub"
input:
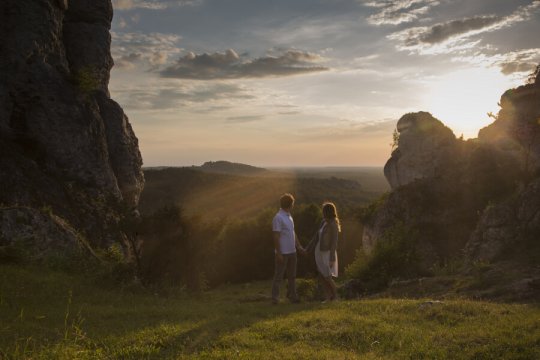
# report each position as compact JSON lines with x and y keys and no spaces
{"x":307,"y":289}
{"x":367,"y":214}
{"x":85,"y":79}
{"x":394,"y":256}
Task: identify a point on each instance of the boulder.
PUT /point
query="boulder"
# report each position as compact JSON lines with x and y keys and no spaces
{"x":40,"y":233}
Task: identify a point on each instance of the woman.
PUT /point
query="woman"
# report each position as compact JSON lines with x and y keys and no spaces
{"x":324,"y":243}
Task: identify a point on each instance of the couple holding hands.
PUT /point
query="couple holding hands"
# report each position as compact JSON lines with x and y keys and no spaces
{"x":323,"y":245}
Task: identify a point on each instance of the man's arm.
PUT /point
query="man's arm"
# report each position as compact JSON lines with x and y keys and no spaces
{"x":279,"y":256}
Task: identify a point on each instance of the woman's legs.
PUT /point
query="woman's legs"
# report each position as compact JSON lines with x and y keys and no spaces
{"x":332,"y":287}
{"x":323,"y":284}
{"x":329,"y":287}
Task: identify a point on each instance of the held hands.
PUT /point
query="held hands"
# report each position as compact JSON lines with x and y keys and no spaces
{"x":302,"y":251}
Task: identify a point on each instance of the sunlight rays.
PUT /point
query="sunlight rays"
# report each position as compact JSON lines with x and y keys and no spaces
{"x":462,"y":99}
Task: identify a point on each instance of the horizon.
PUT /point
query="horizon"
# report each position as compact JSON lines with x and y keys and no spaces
{"x":311,"y":83}
{"x":293,"y":166}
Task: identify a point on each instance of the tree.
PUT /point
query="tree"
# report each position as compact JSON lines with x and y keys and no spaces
{"x":534,"y":77}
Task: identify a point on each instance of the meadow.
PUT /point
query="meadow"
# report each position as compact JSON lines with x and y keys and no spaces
{"x":46,"y":313}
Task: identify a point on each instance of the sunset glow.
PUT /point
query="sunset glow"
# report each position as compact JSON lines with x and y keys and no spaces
{"x":311,"y":83}
{"x":463,"y":98}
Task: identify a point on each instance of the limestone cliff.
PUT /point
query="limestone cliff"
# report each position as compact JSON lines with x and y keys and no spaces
{"x":65,"y":145}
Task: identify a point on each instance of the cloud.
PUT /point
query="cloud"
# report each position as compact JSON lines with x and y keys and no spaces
{"x":294,"y":112}
{"x":128,"y":61}
{"x":442,"y":32}
{"x":229,"y":65}
{"x":130,"y":50}
{"x":346,"y":129}
{"x":122,"y":23}
{"x":396,"y":12}
{"x":514,"y":62}
{"x":153,"y":4}
{"x":455,"y":34}
{"x":157,"y":96}
{"x":511,"y":67}
{"x":244,"y":119}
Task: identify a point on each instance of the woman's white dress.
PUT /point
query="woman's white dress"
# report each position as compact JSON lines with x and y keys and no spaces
{"x":322,"y":258}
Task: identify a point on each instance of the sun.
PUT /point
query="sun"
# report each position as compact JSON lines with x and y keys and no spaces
{"x":462,"y":99}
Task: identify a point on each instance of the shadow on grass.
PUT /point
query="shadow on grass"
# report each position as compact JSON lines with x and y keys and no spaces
{"x":198,"y":326}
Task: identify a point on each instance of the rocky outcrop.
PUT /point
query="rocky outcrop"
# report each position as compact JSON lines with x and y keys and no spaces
{"x":426,"y":149}
{"x":64,"y":143}
{"x":512,"y":227}
{"x":508,"y":228}
{"x":476,"y":200}
{"x":516,"y":129}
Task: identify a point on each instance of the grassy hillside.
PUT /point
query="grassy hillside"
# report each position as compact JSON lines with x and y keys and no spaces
{"x":46,"y":314}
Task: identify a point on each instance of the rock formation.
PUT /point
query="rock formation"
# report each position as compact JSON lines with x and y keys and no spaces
{"x":425,"y":149}
{"x":64,"y":144}
{"x":512,"y":226}
{"x":476,"y":200}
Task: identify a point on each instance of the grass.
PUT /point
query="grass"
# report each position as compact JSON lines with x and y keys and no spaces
{"x":47,"y":314}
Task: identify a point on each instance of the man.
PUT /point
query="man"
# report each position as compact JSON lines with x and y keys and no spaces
{"x":285,"y":244}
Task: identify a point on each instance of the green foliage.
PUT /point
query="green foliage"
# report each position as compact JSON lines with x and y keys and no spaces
{"x":186,"y":250}
{"x":47,"y":210}
{"x":86,"y":79}
{"x":307,"y":218}
{"x":394,"y":256}
{"x":451,"y":266}
{"x":367,"y":214}
{"x":481,"y":266}
{"x":307,"y":289}
{"x":395,"y":139}
{"x":534,"y":76}
{"x":51,"y":315}
{"x":242,"y":197}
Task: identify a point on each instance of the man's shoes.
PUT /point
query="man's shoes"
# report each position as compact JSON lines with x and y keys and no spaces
{"x":275,"y":301}
{"x":295,"y":301}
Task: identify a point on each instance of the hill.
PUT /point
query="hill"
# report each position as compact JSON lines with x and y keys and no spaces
{"x":227,"y":167}
{"x":49,"y":314}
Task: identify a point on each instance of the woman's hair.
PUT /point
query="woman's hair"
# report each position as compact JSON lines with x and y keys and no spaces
{"x":286,"y":201}
{"x":329,"y":212}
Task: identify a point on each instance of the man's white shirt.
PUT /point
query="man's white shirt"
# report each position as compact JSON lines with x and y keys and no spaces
{"x":284,"y":224}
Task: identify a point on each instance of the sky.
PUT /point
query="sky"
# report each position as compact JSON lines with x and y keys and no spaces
{"x":311,"y":82}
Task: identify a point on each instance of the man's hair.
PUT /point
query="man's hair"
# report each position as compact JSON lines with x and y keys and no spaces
{"x":286,"y":201}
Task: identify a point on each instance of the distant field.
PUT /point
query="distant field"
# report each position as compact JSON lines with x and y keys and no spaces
{"x":51,"y":315}
{"x":222,"y":194}
{"x":370,"y":178}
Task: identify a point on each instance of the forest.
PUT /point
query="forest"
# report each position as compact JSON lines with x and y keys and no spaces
{"x":201,"y":228}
